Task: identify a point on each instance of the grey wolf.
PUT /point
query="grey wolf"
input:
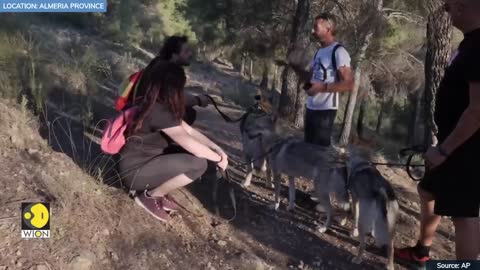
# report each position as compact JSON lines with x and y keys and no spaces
{"x":290,"y":156}
{"x":375,"y":206}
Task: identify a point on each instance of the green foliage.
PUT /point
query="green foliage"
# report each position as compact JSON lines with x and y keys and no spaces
{"x":12,"y":50}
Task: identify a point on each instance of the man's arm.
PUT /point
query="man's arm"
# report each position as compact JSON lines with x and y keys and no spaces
{"x":468,"y":124}
{"x":345,"y":83}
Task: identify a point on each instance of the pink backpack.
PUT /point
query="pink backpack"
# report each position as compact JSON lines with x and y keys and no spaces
{"x":113,"y":138}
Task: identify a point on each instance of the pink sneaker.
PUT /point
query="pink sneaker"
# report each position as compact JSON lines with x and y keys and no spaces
{"x":153,"y":206}
{"x":169,"y":204}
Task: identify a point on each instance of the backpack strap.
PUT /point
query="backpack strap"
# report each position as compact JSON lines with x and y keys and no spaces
{"x":334,"y":59}
{"x":334,"y":65}
{"x":324,"y":69}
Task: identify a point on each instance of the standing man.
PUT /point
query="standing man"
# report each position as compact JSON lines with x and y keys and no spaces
{"x":331,"y":74}
{"x":451,"y":185}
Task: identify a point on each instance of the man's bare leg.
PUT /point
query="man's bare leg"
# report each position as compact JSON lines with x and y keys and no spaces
{"x":428,"y":220}
{"x":467,"y":229}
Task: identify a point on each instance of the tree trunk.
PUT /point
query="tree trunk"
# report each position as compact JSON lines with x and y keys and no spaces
{"x":300,"y":108}
{"x":413,"y":128}
{"x":439,"y":35}
{"x":352,"y":100}
{"x":289,"y":103}
{"x":380,"y":117}
{"x":126,"y":17}
{"x":251,"y":70}
{"x":266,"y":71}
{"x":361,"y":117}
{"x":288,"y":94}
{"x":242,"y":67}
{"x":274,"y":80}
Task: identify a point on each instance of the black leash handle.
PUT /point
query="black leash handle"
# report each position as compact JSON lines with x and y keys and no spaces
{"x":411,"y":152}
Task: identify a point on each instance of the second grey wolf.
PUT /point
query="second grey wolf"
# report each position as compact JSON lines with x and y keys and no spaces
{"x":375,"y":206}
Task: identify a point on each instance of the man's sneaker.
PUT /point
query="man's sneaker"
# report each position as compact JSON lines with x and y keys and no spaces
{"x":169,"y":204}
{"x":410,"y":256}
{"x":153,"y":206}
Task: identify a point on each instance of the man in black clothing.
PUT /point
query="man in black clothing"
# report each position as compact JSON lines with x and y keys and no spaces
{"x":451,"y":185}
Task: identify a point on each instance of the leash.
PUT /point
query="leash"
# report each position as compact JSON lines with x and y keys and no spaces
{"x":226,"y":176}
{"x":410,"y":152}
{"x":269,"y":151}
{"x":224,"y":116}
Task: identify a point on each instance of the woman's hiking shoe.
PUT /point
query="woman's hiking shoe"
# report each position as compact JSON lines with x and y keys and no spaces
{"x":412,"y":256}
{"x":169,"y":204}
{"x":153,"y":206}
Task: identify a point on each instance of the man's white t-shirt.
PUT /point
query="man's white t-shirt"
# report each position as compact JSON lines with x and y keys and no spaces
{"x":327,"y":101}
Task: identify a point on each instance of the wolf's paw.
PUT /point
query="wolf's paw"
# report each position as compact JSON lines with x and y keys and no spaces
{"x":245,"y":184}
{"x":269,"y":185}
{"x":389,"y":267}
{"x":355,"y":233}
{"x":274,"y":206}
{"x":248,"y":179}
{"x":320,"y":208}
{"x":291,"y":207}
{"x":357,"y":260}
{"x":343,"y":222}
{"x":345,"y":206}
{"x":322,"y":229}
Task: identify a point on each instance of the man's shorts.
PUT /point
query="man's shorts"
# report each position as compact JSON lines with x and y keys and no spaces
{"x":455,"y":187}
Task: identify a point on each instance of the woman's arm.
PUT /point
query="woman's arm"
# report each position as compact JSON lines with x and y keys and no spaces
{"x":200,"y":137}
{"x":179,"y":135}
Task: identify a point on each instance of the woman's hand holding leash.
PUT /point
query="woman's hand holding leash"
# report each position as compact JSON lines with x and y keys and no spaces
{"x":223,"y":163}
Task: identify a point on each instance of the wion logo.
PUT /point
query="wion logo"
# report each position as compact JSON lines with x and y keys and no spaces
{"x":35,"y":220}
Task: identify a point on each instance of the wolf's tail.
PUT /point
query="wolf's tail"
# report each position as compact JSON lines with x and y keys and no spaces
{"x":388,"y":209}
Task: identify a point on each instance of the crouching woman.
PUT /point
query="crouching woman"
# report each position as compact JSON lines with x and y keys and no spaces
{"x":147,"y":166}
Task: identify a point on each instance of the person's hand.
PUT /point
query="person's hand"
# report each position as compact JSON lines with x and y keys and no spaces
{"x":433,"y":157}
{"x":223,"y":164}
{"x":203,"y":100}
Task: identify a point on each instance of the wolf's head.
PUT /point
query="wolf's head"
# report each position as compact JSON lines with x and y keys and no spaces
{"x":358,"y":152}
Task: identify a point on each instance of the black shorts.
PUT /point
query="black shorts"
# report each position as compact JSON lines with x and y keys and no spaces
{"x":319,"y":126}
{"x":455,"y":187}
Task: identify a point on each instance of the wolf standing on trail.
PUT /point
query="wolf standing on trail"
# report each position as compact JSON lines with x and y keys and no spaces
{"x":331,"y":74}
